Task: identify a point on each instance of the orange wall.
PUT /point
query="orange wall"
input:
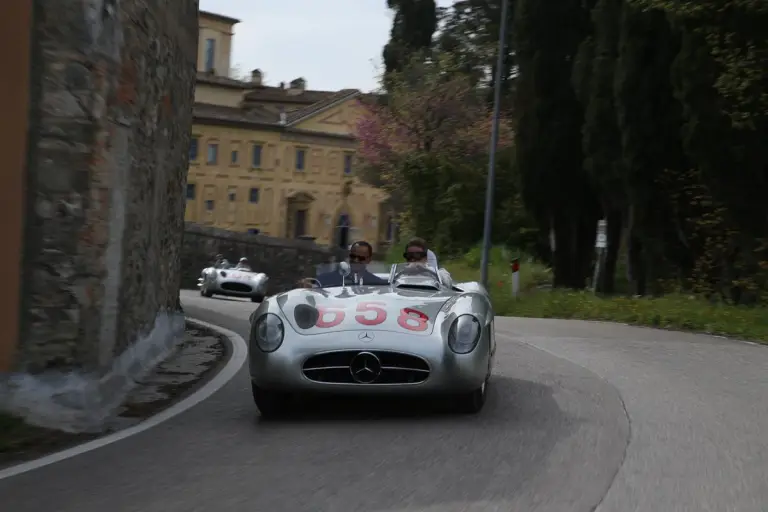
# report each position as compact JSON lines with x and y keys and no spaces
{"x":15,"y":34}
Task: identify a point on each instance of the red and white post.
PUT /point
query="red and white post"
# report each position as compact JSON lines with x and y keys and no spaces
{"x":515,"y":267}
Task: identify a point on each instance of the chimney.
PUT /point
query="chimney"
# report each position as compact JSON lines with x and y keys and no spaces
{"x":298,"y":84}
{"x":282,"y":85}
{"x":256,"y":77}
{"x":283,"y":117}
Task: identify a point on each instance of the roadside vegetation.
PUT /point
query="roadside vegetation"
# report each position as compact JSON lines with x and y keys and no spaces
{"x":538,"y":299}
{"x":649,"y":114}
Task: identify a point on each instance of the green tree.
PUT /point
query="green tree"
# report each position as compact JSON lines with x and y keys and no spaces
{"x":414,"y":24}
{"x":557,"y":190}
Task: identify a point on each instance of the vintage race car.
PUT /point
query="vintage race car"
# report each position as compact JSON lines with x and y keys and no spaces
{"x":232,"y":282}
{"x":415,"y":335}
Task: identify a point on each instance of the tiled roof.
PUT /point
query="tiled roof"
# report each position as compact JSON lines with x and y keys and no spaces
{"x":253,"y":116}
{"x":285,"y":95}
{"x":321,"y":105}
{"x":263,"y":105}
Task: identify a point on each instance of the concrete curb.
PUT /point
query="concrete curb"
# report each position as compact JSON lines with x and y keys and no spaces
{"x":238,"y":356}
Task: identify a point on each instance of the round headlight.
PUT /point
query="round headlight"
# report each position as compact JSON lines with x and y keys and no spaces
{"x":269,"y":332}
{"x":464,"y":334}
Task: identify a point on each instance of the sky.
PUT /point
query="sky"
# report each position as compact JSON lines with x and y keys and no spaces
{"x":333,"y":44}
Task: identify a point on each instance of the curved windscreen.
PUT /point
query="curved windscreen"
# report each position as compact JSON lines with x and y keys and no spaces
{"x":401,"y":275}
{"x":415,"y":275}
{"x":375,"y":267}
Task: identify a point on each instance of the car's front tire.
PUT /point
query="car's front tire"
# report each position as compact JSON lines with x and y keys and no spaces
{"x":271,"y":404}
{"x":204,"y":291}
{"x":473,"y":402}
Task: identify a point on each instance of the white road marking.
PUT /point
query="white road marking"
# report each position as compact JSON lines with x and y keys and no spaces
{"x":236,"y":361}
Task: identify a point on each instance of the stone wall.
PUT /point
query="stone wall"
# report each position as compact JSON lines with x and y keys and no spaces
{"x":283,"y":260}
{"x":111,"y":118}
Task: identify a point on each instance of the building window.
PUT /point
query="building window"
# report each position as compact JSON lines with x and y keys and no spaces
{"x":300,"y":157}
{"x":213,"y":153}
{"x":254,"y":195}
{"x":301,"y":223}
{"x":210,"y":54}
{"x":193,"y":148}
{"x":232,"y":194}
{"x":347,"y":164}
{"x":209,"y":205}
{"x":390,"y":229}
{"x":256,"y":157}
{"x":190,"y":190}
{"x":233,"y":157}
{"x":253,"y":231}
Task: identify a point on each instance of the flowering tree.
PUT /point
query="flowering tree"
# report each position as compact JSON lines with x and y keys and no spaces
{"x":427,"y":143}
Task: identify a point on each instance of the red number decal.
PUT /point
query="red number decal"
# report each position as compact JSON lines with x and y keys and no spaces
{"x":338,"y":317}
{"x":413,"y":320}
{"x":371,"y":307}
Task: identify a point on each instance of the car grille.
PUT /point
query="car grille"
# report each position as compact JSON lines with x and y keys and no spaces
{"x":336,"y":368}
{"x":236,"y":287}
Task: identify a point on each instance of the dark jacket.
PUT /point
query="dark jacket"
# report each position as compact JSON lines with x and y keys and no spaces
{"x":333,"y":278}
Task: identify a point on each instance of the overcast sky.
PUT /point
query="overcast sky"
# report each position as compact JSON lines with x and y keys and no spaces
{"x":333,"y":44}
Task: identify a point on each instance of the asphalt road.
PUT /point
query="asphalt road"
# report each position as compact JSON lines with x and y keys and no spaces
{"x":580,"y":414}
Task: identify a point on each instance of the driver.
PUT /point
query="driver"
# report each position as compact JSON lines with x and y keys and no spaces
{"x":360,"y":255}
{"x":243,"y":264}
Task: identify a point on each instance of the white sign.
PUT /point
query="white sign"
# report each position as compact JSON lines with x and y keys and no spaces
{"x":601,"y":242}
{"x":515,"y":283}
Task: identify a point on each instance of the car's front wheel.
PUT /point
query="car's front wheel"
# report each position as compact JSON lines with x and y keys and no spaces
{"x":473,"y":402}
{"x":204,"y":291}
{"x":270,"y":403}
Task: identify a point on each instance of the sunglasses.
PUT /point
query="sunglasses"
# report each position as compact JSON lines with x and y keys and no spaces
{"x":356,"y":258}
{"x":414,"y":256}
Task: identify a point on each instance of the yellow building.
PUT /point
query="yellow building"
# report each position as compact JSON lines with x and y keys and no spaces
{"x":276,"y":160}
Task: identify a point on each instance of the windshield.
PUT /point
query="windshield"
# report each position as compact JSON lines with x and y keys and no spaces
{"x":415,"y":275}
{"x":402,"y":275}
{"x":376,"y":267}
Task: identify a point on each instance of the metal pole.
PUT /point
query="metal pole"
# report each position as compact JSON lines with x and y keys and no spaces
{"x":494,"y":142}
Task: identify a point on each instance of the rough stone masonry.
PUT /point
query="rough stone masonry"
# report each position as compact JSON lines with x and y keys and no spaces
{"x":111,"y":118}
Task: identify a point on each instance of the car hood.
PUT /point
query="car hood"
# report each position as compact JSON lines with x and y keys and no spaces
{"x":235,"y":274}
{"x":362,"y":308}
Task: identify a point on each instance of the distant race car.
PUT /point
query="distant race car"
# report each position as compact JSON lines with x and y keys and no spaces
{"x":415,"y":335}
{"x":226,"y":280}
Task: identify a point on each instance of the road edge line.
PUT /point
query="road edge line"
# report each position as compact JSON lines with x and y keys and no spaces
{"x":238,"y":357}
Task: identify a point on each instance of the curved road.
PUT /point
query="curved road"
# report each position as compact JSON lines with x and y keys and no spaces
{"x":580,"y":414}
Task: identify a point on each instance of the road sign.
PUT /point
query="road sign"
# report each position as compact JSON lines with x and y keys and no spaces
{"x":601,"y":242}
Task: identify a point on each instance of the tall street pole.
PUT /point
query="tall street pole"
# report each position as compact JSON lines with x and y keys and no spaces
{"x":494,"y":142}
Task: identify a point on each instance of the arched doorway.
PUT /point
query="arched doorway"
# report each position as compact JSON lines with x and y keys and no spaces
{"x":342,"y":231}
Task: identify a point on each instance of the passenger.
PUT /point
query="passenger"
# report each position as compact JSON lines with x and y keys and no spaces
{"x":243,"y":265}
{"x":417,"y":252}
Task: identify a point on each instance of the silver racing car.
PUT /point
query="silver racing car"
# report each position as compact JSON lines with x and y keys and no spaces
{"x":416,"y":334}
{"x":225,"y":279}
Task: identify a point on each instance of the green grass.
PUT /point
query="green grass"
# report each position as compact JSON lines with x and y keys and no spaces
{"x":537,"y":300}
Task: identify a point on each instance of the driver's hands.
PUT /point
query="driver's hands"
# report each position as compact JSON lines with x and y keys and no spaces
{"x":305,"y":283}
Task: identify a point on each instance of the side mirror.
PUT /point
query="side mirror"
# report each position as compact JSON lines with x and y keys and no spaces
{"x":344,"y":269}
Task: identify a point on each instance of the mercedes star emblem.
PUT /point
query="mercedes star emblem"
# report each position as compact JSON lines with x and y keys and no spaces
{"x":365,"y":368}
{"x":364,"y":336}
